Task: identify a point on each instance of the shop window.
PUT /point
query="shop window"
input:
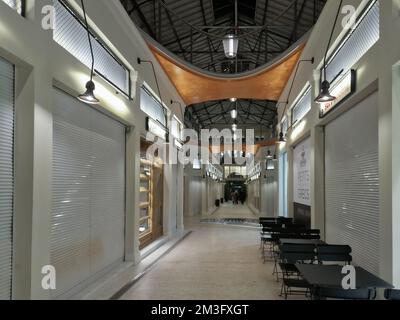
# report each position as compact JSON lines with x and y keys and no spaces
{"x":302,"y":105}
{"x":70,"y":33}
{"x":285,"y":126}
{"x":17,"y":5}
{"x":176,"y":129}
{"x":150,"y":105}
{"x":356,"y":43}
{"x":151,"y":198}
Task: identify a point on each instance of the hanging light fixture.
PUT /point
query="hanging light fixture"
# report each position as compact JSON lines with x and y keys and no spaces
{"x":231,"y":45}
{"x":234,"y":127}
{"x":233,"y":100}
{"x":325,"y":95}
{"x":231,"y":41}
{"x":281,"y":138}
{"x":234,"y":114}
{"x":88,"y":96}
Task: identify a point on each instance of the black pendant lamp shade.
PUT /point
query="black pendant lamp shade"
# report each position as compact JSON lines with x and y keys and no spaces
{"x":88,"y":96}
{"x":325,"y":94}
{"x":281,"y":138}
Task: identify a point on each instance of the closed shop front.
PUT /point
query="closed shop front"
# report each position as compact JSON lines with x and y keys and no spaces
{"x":88,"y":200}
{"x":352,"y":182}
{"x":6,"y":176}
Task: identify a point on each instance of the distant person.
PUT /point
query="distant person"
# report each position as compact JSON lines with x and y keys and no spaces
{"x":242,"y":197}
{"x":236,"y":197}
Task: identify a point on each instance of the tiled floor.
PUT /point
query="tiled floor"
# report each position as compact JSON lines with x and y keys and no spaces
{"x":214,"y":262}
{"x":229,"y":210}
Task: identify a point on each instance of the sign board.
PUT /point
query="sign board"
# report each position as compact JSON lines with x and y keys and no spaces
{"x":301,"y":173}
{"x":342,"y":88}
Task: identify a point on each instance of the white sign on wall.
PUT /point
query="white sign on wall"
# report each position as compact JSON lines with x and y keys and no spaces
{"x":301,"y":173}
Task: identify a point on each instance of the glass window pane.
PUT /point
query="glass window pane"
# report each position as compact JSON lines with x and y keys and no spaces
{"x":151,"y":107}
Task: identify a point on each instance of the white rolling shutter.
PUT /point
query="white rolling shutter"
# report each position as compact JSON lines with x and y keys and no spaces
{"x":283,"y":182}
{"x":352,"y":183}
{"x":6,"y":176}
{"x":88,"y":206}
{"x":270,"y":196}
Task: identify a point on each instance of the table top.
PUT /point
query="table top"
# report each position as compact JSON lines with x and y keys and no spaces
{"x":302,"y":241}
{"x":331,"y":276}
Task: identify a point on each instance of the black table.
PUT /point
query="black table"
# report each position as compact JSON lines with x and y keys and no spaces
{"x":302,"y":241}
{"x":331,"y":277}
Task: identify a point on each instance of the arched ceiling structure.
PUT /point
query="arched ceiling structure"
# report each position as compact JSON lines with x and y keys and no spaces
{"x":196,"y":87}
{"x":193,"y":29}
{"x":186,"y":38}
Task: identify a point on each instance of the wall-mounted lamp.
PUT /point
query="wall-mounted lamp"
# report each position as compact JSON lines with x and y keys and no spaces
{"x":281,"y":135}
{"x":325,"y":95}
{"x":88,"y":96}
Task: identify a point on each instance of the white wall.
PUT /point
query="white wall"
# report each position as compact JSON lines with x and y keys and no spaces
{"x":40,"y":64}
{"x":374,"y":71}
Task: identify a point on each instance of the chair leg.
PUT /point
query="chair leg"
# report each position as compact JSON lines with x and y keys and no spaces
{"x":286,"y":292}
{"x":282,"y":289}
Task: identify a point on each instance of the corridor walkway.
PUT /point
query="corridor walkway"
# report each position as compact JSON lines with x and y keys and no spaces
{"x":229,"y":210}
{"x":214,"y":262}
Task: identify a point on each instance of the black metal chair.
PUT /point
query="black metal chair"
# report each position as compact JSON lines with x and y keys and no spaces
{"x":334,"y":254}
{"x":341,"y":294}
{"x":293,"y":226}
{"x":266,"y":236}
{"x":267,"y":220}
{"x":290,"y":255}
{"x":391,"y":294}
{"x":285,"y":220}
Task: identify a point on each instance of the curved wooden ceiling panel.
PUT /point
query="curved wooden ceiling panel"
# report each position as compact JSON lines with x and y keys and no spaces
{"x":195,"y":87}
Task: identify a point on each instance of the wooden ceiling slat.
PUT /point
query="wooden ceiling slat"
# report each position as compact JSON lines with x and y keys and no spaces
{"x":197,"y":88}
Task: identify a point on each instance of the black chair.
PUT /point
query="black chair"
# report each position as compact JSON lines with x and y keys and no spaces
{"x":341,"y":294}
{"x":328,"y":254}
{"x":391,"y":294}
{"x":293,"y":226}
{"x":290,"y":255}
{"x":267,"y":220}
{"x":266,"y":236}
{"x":285,"y":220}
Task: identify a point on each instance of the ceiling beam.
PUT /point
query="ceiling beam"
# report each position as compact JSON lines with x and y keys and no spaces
{"x":142,"y":17}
